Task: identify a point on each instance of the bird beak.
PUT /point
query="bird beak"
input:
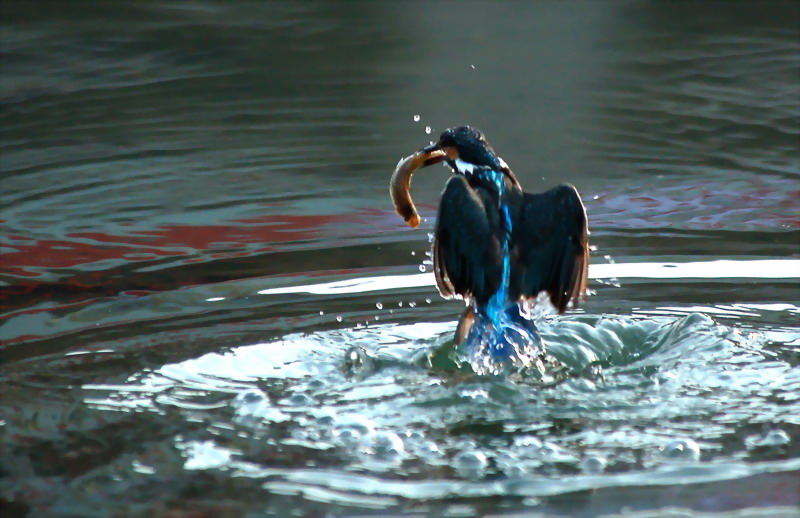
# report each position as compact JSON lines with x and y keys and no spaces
{"x":400,"y":187}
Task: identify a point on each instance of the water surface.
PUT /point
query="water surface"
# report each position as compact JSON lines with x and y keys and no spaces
{"x":209,"y":305}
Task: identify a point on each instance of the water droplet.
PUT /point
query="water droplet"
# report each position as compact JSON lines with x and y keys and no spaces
{"x":339,"y":318}
{"x":377,"y":317}
{"x":400,"y":304}
{"x":412,"y":304}
{"x":427,"y":301}
{"x":428,"y":130}
{"x":413,"y":253}
{"x":321,"y":313}
{"x":416,"y":118}
{"x":473,"y":67}
{"x":379,"y":305}
{"x":422,"y":268}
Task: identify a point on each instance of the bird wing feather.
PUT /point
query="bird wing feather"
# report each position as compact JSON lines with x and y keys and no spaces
{"x":552,"y":250}
{"x":467,"y":257}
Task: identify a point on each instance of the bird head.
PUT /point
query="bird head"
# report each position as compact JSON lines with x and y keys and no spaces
{"x":465,"y":150}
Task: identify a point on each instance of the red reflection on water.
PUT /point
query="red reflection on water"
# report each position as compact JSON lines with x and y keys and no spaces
{"x":75,"y":258}
{"x":83,"y":248}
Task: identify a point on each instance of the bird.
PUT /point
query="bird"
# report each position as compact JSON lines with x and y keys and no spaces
{"x":495,"y":246}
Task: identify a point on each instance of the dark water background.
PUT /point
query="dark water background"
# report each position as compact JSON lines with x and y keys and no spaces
{"x":181,"y":181}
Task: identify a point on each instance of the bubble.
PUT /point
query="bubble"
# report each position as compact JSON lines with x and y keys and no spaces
{"x":357,"y":362}
{"x":416,"y":118}
{"x":776,"y":438}
{"x":680,"y":449}
{"x":770,"y":439}
{"x":354,"y":431}
{"x":428,"y":130}
{"x":593,"y":465}
{"x":550,"y":452}
{"x":427,"y":301}
{"x":249,"y":397}
{"x":508,"y":463}
{"x":339,"y":318}
{"x":387,"y":445}
{"x":422,"y":268}
{"x":300,"y":399}
{"x":349,"y":437}
{"x":316,"y":384}
{"x":415,"y":435}
{"x":306,"y":434}
{"x":471,"y":464}
{"x":325,"y":420}
{"x":379,"y":305}
{"x":413,"y":253}
{"x":252,"y":407}
{"x":412,"y":304}
{"x":321,"y":313}
{"x":527,"y":442}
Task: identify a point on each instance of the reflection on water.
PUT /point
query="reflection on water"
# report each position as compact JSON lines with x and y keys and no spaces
{"x":209,"y":306}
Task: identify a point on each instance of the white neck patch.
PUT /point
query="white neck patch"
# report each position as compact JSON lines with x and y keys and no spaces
{"x":469,"y":168}
{"x":464,"y":167}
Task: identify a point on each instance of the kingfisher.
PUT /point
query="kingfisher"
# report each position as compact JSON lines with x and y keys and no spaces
{"x":495,"y":246}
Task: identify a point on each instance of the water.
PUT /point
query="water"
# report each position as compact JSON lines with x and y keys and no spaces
{"x":196,"y":235}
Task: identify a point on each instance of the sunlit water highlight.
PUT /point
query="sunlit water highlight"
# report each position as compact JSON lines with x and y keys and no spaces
{"x":787,"y":269}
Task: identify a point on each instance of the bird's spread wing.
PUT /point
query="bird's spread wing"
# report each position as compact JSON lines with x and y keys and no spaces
{"x":552,"y":247}
{"x":467,"y":257}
